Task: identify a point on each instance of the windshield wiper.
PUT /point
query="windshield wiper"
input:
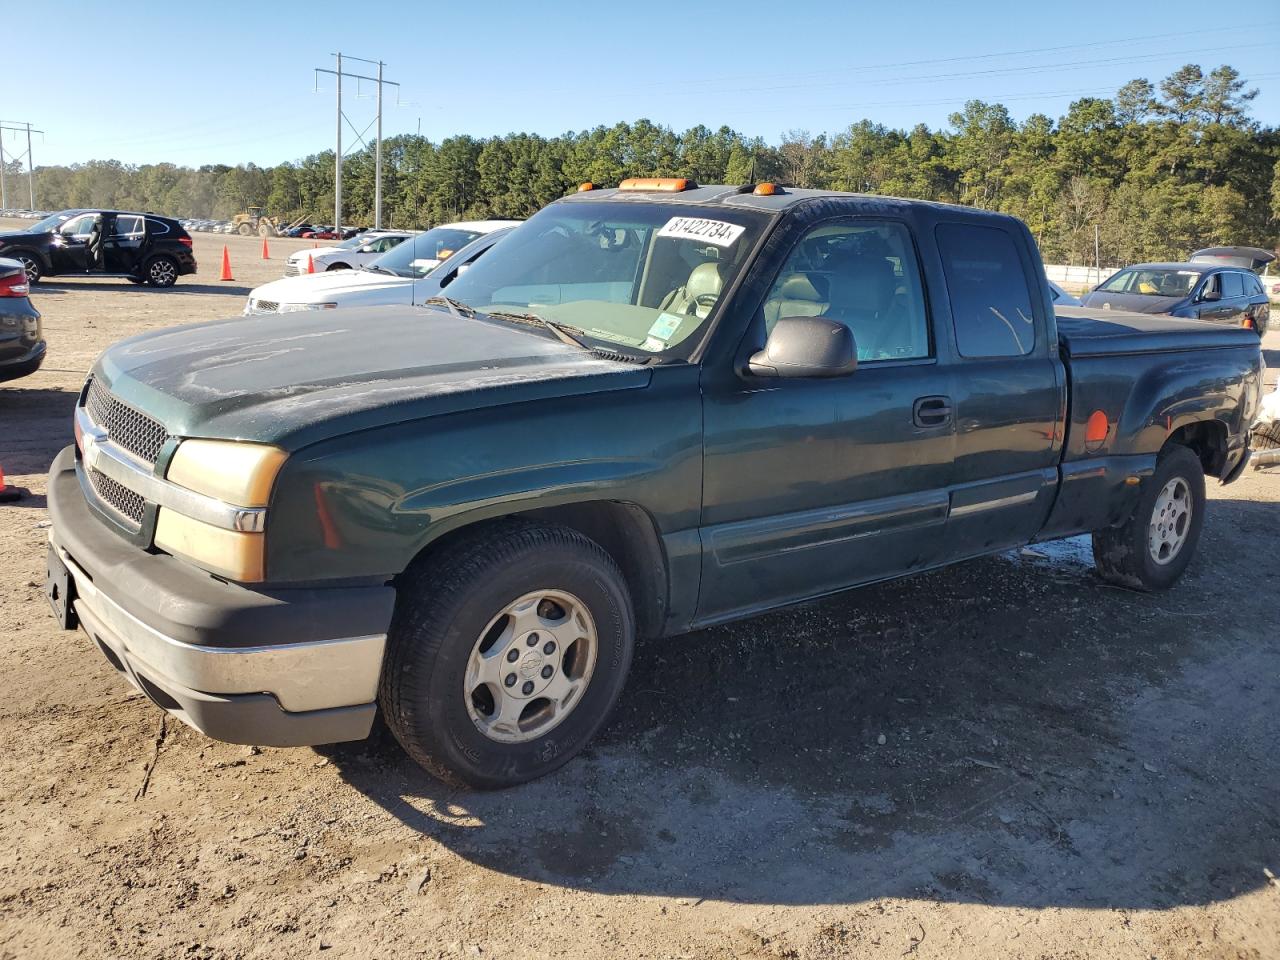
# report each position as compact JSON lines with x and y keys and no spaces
{"x":561,"y":330}
{"x":374,"y":268}
{"x":456,"y":307}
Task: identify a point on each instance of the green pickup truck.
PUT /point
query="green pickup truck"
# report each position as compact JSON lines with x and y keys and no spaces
{"x":650,"y":409}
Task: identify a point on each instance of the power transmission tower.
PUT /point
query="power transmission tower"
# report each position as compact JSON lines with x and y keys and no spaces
{"x":339,"y":73}
{"x":12,"y":125}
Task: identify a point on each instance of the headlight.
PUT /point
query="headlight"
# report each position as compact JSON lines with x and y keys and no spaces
{"x":295,"y":307}
{"x":237,"y":473}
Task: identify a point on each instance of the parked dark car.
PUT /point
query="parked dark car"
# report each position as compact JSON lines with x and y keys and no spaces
{"x":141,"y":247}
{"x":648,"y":410}
{"x":1190,"y":291}
{"x":21,"y":347}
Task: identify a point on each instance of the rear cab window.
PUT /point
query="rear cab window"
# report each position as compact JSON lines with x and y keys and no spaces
{"x":1232,"y":285}
{"x":991,"y":305}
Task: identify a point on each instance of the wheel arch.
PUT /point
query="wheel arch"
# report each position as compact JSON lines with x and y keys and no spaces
{"x":625,"y":530}
{"x":1208,"y":440}
{"x":42,"y":258}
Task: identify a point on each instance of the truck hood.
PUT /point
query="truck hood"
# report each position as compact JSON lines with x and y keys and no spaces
{"x":1130,"y":302}
{"x":340,"y":286}
{"x":300,"y":378}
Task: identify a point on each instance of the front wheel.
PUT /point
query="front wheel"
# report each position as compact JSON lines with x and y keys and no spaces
{"x":1152,"y":547}
{"x":32,"y":266}
{"x":506,"y":653}
{"x":161,"y":272}
{"x":337,"y":266}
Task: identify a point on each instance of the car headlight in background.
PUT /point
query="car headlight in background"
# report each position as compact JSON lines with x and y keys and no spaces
{"x":295,"y":307}
{"x":237,"y":473}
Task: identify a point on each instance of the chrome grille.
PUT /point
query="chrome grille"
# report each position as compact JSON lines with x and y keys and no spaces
{"x":119,"y":498}
{"x":129,"y":428}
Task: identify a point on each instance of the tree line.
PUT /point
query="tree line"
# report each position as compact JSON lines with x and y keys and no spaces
{"x":1158,"y":169}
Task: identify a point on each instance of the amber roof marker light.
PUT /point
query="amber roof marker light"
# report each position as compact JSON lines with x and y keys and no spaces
{"x":767,"y":190}
{"x":660,"y":184}
{"x":584,"y":187}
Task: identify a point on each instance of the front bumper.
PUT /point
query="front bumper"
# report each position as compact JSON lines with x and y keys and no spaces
{"x":274,"y":667}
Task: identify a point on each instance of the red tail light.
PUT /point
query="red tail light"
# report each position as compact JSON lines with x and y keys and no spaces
{"x":15,"y":286}
{"x":185,"y":241}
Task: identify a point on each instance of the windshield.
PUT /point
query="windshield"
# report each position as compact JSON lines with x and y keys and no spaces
{"x":52,"y":221}
{"x":354,"y":242}
{"x":1153,"y":282}
{"x":646,"y":275}
{"x":421,"y":254}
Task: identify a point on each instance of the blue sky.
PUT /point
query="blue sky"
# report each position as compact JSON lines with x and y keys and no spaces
{"x":232,"y":82}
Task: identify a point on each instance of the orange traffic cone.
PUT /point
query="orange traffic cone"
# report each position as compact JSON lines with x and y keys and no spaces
{"x":8,"y":493}
{"x":266,"y":253}
{"x":226,"y":265}
{"x":311,"y":264}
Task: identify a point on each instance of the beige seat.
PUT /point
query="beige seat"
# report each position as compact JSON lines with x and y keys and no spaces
{"x":705,"y":283}
{"x":796,"y":297}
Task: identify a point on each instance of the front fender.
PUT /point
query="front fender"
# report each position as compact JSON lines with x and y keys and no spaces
{"x":363,"y":506}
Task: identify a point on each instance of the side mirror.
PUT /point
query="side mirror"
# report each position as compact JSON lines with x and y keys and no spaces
{"x":806,"y":347}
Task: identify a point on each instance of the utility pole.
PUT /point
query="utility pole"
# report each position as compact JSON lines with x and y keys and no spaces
{"x":339,"y":73}
{"x":377,"y":160}
{"x":11,"y":125}
{"x":1097,"y":257}
{"x":337,"y":161}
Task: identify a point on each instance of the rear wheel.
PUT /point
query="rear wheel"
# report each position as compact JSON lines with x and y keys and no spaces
{"x":1151,"y":549}
{"x":161,"y":272}
{"x":506,"y":653}
{"x":245,"y":230}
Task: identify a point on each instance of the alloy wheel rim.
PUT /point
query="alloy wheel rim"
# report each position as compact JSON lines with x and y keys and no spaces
{"x":1170,"y":521}
{"x":162,"y":271}
{"x":530,"y":666}
{"x":31,"y":267}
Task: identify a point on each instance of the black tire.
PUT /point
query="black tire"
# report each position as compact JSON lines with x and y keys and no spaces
{"x":337,"y":266}
{"x":160,"y":271}
{"x":30,"y":263}
{"x":1123,"y":555}
{"x":445,"y":604}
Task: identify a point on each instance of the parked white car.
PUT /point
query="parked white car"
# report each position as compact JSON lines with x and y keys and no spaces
{"x":361,"y":249}
{"x":398,"y":276}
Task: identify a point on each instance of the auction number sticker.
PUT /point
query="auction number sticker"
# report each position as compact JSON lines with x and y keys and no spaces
{"x":695,"y":228}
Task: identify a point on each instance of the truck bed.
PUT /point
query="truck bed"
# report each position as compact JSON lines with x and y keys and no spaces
{"x":1092,"y":332}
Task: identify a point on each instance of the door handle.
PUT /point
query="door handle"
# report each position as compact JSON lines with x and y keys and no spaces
{"x":931,"y":411}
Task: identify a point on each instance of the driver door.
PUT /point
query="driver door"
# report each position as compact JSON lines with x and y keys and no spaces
{"x":814,"y":485}
{"x":69,"y":251}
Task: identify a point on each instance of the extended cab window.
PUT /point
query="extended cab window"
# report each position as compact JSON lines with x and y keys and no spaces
{"x":990,"y":299}
{"x":864,"y":274}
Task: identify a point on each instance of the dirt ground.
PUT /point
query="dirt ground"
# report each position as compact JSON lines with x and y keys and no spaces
{"x":1003,"y":759}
